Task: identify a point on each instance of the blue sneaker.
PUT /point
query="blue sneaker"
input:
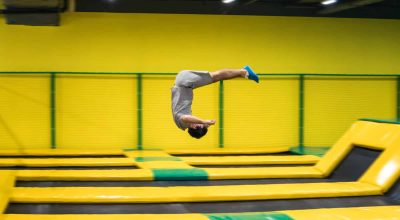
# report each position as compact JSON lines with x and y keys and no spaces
{"x":252,"y":74}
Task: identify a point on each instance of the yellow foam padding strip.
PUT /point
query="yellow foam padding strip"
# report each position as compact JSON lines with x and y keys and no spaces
{"x":385,"y":171}
{"x":59,"y":152}
{"x":163,"y":165}
{"x":43,"y":162}
{"x":85,"y":175}
{"x":338,"y":151}
{"x":356,"y":213}
{"x":228,"y":150}
{"x":144,"y":153}
{"x":146,"y":174}
{"x":189,"y":193}
{"x":376,"y":135}
{"x":240,"y":160}
{"x":107,"y":217}
{"x":360,"y":132}
{"x":7,"y":181}
{"x":263,"y":172}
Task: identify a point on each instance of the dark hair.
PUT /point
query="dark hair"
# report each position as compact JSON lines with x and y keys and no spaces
{"x":197,"y":132}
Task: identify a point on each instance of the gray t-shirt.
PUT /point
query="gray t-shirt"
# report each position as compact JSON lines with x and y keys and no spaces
{"x":181,"y":104}
{"x":182,"y":93}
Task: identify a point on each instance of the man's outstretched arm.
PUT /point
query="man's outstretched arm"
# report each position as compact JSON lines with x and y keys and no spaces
{"x":190,"y":119}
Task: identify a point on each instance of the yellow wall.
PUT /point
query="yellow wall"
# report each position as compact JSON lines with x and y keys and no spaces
{"x":96,"y":111}
{"x":333,"y":104}
{"x":101,"y":112}
{"x":261,"y":115}
{"x":168,"y":43}
{"x":24,"y":111}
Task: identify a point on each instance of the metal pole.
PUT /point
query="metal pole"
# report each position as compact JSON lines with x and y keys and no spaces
{"x":398,"y":99}
{"x":301,"y":113}
{"x":221,"y":114}
{"x":139,"y":113}
{"x":53,"y":110}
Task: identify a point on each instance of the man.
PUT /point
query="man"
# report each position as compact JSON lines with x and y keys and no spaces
{"x":182,"y":96}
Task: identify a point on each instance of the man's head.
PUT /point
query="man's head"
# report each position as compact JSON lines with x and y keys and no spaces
{"x":198,"y":131}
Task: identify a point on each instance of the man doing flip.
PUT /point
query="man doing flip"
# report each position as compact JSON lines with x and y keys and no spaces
{"x":182,"y":95}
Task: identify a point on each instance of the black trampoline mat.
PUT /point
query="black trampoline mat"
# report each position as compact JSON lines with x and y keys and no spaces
{"x":350,"y":169}
{"x":211,"y":207}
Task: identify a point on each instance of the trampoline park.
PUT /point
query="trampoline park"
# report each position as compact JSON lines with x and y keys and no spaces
{"x":86,"y":128}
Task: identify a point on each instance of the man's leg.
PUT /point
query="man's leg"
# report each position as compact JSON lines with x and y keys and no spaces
{"x":225,"y":74}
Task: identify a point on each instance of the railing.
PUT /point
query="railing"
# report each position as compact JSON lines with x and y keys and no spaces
{"x":313,"y":82}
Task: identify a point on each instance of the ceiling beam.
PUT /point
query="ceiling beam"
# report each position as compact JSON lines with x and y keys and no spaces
{"x":251,"y":2}
{"x":309,"y":1}
{"x":33,"y":3}
{"x":347,"y":5}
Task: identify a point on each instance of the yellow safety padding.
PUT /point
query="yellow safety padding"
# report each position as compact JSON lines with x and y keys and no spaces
{"x":190,"y":193}
{"x":263,"y":172}
{"x":85,"y":175}
{"x":338,"y":151}
{"x":240,"y":160}
{"x":163,"y":165}
{"x":371,"y":134}
{"x":59,"y":152}
{"x":385,"y":171}
{"x":146,"y":153}
{"x":44,"y":162}
{"x":7,"y":181}
{"x":228,"y":150}
{"x":107,"y":217}
{"x":145,"y":174}
{"x":357,"y":213}
{"x":376,"y":135}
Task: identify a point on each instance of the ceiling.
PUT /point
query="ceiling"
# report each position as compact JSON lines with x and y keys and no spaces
{"x":47,"y":12}
{"x":384,"y":9}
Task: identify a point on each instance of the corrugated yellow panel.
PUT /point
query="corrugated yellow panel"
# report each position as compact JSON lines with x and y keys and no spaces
{"x":159,"y":129}
{"x":128,"y":42}
{"x":24,"y":111}
{"x":261,"y":115}
{"x":96,"y":111}
{"x":190,"y":193}
{"x":364,"y":213}
{"x":333,"y":104}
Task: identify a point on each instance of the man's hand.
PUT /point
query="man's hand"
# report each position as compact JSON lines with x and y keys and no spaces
{"x":210,"y":122}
